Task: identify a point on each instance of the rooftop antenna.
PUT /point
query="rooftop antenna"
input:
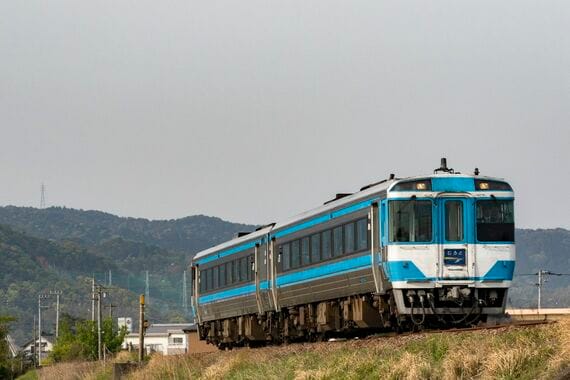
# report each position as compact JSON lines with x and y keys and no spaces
{"x":443,"y":167}
{"x":43,"y":196}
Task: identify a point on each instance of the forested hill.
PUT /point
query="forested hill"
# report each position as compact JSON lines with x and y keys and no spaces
{"x":189,"y":235}
{"x":60,"y":248}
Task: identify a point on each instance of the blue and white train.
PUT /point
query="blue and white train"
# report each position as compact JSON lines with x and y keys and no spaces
{"x":400,"y":253}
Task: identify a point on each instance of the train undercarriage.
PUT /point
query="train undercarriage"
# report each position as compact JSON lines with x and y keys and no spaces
{"x":361,"y":315}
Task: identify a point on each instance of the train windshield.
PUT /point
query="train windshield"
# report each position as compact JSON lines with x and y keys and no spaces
{"x":495,"y":220}
{"x":410,"y":221}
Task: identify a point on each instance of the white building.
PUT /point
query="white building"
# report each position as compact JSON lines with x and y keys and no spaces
{"x":29,"y":349}
{"x":167,"y":339}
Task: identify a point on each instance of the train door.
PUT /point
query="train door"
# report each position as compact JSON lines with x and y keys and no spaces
{"x":455,"y":254}
{"x":262,"y":275}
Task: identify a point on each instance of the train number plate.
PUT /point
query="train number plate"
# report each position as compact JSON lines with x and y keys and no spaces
{"x":454,"y":257}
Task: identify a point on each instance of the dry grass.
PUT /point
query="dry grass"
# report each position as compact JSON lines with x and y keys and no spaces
{"x":74,"y":371}
{"x":507,"y":353}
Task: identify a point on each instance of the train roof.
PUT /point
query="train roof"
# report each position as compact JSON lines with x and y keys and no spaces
{"x":345,"y":199}
{"x":329,"y":206}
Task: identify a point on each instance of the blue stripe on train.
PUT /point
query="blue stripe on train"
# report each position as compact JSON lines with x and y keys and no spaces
{"x":322,"y":271}
{"x":406,"y":270}
{"x":403,"y":270}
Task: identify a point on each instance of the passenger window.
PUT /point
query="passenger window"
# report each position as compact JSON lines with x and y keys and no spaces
{"x":326,"y":245}
{"x":454,"y":220}
{"x":361,"y":234}
{"x":305,"y":254}
{"x":315,"y":248}
{"x":202,"y":281}
{"x":229,"y":272}
{"x":216,"y":277}
{"x":222,"y":275}
{"x":251,"y":267}
{"x":210,"y":278}
{"x":337,"y":241}
{"x":349,"y":238}
{"x":236,"y":271}
{"x":243,"y":269}
{"x":295,"y":259}
{"x":286,"y":256}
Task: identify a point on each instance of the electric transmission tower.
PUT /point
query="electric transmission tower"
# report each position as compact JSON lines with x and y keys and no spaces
{"x":147,"y":287}
{"x":184,"y":293}
{"x":43,"y":196}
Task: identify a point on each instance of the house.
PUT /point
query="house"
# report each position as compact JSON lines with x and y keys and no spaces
{"x":164,"y":338}
{"x":29,"y":349}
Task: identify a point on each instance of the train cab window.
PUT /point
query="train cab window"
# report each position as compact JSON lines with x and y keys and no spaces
{"x":495,"y":220}
{"x":305,"y":253}
{"x":361,"y":234}
{"x":222,"y":275}
{"x":286,"y":256}
{"x":315,"y":248}
{"x":326,"y":245}
{"x":295,"y":259}
{"x":243,"y":269}
{"x":454,"y":221}
{"x":337,"y":241}
{"x":410,"y":221}
{"x":349,"y":238}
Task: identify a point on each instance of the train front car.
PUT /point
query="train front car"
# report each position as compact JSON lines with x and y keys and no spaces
{"x":448,"y":247}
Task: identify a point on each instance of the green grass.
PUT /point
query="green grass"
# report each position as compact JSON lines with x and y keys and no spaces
{"x":30,"y":375}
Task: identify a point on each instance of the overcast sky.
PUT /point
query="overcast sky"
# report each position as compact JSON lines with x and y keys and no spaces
{"x":256,"y":110}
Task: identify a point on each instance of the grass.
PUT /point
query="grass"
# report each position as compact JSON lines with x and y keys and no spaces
{"x":30,"y":375}
{"x":506,"y":353}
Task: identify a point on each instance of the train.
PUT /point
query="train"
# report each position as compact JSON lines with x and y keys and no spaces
{"x":400,"y":254}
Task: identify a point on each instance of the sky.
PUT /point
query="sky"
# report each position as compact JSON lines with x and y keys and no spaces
{"x":257,"y":110}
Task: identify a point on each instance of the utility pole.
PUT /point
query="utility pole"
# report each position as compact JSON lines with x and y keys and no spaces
{"x":93,"y":298}
{"x":184,"y":294}
{"x":40,"y":297}
{"x":542,"y":279}
{"x":57,"y":293}
{"x":35,"y":340}
{"x":99,"y":340}
{"x":141,"y":329}
{"x":110,"y":278}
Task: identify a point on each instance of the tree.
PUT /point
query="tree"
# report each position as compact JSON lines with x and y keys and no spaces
{"x":6,"y":362}
{"x":78,"y":340}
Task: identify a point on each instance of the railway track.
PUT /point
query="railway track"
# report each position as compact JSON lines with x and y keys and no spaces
{"x":515,"y":324}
